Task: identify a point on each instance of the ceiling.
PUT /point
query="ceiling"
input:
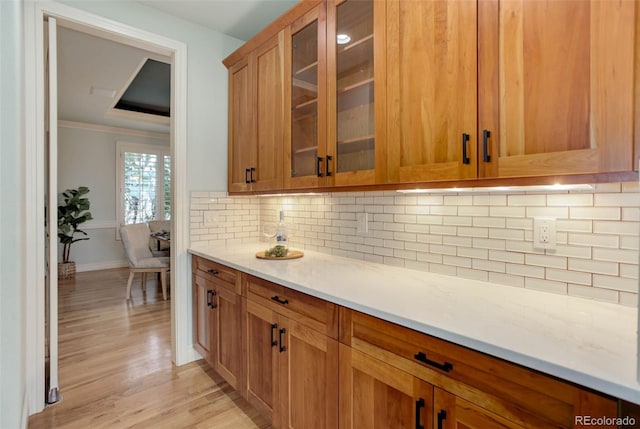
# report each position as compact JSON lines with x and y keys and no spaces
{"x":86,"y":61}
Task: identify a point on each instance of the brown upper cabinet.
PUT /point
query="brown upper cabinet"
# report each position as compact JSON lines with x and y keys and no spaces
{"x":556,"y":87}
{"x":392,"y":92}
{"x":255,"y":119}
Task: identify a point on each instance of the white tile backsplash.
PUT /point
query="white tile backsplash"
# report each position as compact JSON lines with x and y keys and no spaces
{"x":480,"y":236}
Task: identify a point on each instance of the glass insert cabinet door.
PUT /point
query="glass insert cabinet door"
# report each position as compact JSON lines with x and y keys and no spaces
{"x":307,"y":99}
{"x":353,"y":71}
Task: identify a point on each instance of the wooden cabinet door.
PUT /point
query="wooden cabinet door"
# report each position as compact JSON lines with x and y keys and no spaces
{"x":226,"y":345}
{"x":451,"y":412}
{"x":356,"y":92}
{"x":431,"y":90}
{"x":202,"y":317}
{"x":556,"y":86}
{"x":262,"y":353}
{"x":308,"y":377}
{"x":242,"y":144}
{"x":305,"y":124}
{"x":374,"y":394}
{"x":268,"y":82}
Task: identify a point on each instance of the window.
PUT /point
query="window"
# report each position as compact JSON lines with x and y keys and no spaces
{"x":144,"y":183}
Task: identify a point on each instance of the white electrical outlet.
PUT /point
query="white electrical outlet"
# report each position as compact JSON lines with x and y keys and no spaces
{"x":544,"y":233}
{"x":362,"y":223}
{"x":211,"y":219}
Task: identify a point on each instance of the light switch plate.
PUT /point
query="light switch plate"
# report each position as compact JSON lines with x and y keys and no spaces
{"x":544,"y":233}
{"x":362,"y":223}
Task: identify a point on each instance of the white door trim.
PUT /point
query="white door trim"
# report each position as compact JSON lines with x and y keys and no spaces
{"x":33,"y":266}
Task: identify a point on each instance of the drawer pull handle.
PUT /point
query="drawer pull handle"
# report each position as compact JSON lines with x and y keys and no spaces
{"x":282,"y":346}
{"x":319,"y":167}
{"x":446,"y":367}
{"x":419,"y":404}
{"x":279,"y":301}
{"x":274,"y":326}
{"x":485,"y":143}
{"x":246,"y":175}
{"x":213,"y":299}
{"x":251,"y":171}
{"x":442,"y":416}
{"x":212,"y":271}
{"x":465,"y":156}
{"x":328,"y":172}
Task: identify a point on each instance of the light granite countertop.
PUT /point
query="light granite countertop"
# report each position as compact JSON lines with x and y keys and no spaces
{"x":590,"y":343}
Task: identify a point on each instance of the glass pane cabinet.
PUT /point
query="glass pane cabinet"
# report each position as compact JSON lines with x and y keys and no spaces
{"x":307,"y":133}
{"x":355,"y":141}
{"x":304,"y":101}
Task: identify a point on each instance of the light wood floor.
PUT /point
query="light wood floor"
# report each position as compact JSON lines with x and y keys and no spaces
{"x":115,"y":364}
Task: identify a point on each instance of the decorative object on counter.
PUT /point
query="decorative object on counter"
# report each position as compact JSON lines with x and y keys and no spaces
{"x":71,"y":214}
{"x":282,"y":235}
{"x":279,"y":252}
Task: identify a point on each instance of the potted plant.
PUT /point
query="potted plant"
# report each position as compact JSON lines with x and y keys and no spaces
{"x":72,"y":213}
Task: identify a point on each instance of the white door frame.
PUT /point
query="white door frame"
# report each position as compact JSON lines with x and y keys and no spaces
{"x":34,"y":260}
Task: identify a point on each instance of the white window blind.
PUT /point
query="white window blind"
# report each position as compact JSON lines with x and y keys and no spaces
{"x":144,"y":183}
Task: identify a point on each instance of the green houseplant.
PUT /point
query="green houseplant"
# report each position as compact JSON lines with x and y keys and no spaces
{"x":73,"y":212}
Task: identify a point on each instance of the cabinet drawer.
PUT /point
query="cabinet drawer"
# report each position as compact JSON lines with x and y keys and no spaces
{"x":214,"y":271}
{"x":521,"y":395}
{"x":314,"y":312}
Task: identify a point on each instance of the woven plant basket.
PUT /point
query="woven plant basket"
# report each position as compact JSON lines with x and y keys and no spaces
{"x":66,"y":270}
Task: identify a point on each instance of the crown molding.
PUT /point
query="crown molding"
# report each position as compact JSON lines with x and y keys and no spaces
{"x":113,"y":130}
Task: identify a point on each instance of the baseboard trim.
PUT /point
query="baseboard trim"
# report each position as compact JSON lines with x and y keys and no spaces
{"x":188,"y":355}
{"x":101,"y":266}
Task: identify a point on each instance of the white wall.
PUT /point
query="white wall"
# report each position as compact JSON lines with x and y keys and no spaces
{"x":12,"y":325}
{"x":207,"y":84}
{"x":88,"y":158}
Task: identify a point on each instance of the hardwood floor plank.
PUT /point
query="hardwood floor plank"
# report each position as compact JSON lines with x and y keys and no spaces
{"x":115,"y":366}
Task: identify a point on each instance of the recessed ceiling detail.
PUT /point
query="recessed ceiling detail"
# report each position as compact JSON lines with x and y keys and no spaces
{"x":150,"y":90}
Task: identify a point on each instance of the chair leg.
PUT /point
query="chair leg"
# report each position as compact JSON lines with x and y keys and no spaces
{"x":131,"y":274}
{"x":144,"y":282}
{"x":163,"y":281}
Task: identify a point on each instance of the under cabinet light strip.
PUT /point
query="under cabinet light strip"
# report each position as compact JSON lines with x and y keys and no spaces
{"x":543,"y":188}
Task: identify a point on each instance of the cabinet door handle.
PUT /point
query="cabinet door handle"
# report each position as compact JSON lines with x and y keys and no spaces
{"x":209,"y":298}
{"x":465,"y":156}
{"x":274,"y":326}
{"x":213,"y":271}
{"x":279,"y":300}
{"x":442,"y":416}
{"x":251,"y":171}
{"x":420,"y":356}
{"x":282,"y":346}
{"x":246,"y":175}
{"x":329,"y":173}
{"x":319,"y":166}
{"x":213,"y":300}
{"x":485,"y":144}
{"x":419,"y":405}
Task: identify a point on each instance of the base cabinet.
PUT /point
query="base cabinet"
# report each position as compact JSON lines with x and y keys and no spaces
{"x":292,"y":368}
{"x":306,"y":363}
{"x":374,"y":394}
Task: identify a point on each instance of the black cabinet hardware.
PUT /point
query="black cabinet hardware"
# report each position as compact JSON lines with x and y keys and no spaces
{"x":274,"y":326}
{"x":252,"y":170}
{"x":246,"y":175}
{"x":279,"y":301}
{"x":485,"y":144}
{"x":442,"y":416}
{"x":329,"y":173}
{"x":419,"y":405}
{"x":213,"y":299}
{"x":282,"y":346}
{"x":319,"y":167}
{"x":213,"y":271}
{"x":209,"y":298}
{"x":446,"y":367}
{"x":465,"y":156}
